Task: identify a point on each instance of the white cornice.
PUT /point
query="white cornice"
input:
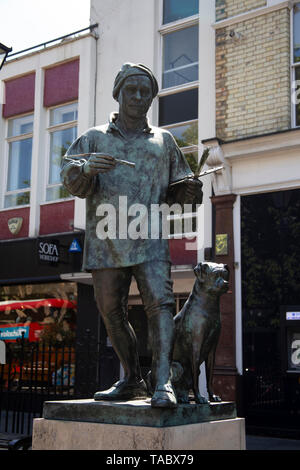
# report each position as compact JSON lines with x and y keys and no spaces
{"x":262,"y":145}
{"x":272,"y":6}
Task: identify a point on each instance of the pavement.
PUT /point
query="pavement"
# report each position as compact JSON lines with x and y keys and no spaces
{"x":271,"y":443}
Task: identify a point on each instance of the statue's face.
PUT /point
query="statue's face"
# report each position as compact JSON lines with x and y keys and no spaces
{"x":135,"y":96}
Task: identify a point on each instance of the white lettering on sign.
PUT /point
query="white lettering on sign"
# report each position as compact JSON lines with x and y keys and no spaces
{"x":296,"y":354}
{"x":48,"y":251}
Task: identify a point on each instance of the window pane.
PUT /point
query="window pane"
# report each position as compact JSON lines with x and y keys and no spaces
{"x":57,"y":192}
{"x":192,"y":159}
{"x":180,"y":57}
{"x":60,"y":142}
{"x":19,"y":165}
{"x":19,"y":126}
{"x":297,"y":32}
{"x":177,"y":9}
{"x":297,"y":76}
{"x":18,"y":199}
{"x":63,"y":114}
{"x":178,"y":107}
{"x":185,"y":134}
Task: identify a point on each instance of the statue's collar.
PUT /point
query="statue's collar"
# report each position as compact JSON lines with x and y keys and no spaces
{"x":113,"y":126}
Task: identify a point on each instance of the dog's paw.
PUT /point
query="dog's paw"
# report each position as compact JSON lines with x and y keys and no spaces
{"x":214,"y":398}
{"x":200,"y":400}
{"x":182,"y":397}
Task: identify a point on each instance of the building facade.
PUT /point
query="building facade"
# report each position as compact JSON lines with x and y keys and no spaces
{"x":228,"y":79}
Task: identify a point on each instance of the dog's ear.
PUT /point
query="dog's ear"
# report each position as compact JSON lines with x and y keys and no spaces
{"x":199,"y":270}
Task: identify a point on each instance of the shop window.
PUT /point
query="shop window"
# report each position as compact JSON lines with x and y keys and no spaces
{"x":47,"y":310}
{"x":296,"y":63}
{"x":180,"y":57}
{"x":63,"y":131}
{"x":177,"y":9}
{"x":38,"y":326}
{"x":20,"y":132}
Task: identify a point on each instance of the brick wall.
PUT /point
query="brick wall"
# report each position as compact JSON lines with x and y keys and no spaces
{"x":227,"y":8}
{"x":253,"y":76}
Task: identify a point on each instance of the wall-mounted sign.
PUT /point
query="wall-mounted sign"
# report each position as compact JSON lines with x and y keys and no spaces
{"x":221,"y":244}
{"x":48,"y":251}
{"x":293,"y":315}
{"x":13,"y":332}
{"x":15,"y":224}
{"x":75,"y":246}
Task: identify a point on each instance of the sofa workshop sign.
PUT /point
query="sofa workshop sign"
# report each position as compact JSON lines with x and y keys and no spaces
{"x":48,"y":251}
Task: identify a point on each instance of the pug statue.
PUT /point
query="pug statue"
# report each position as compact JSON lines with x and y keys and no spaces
{"x":198,"y":327}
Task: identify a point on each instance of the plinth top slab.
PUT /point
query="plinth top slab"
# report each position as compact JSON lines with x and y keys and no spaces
{"x":136,"y":412}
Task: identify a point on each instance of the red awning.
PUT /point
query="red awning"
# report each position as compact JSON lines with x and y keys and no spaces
{"x":23,"y":304}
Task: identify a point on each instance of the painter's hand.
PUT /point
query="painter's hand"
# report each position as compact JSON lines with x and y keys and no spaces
{"x":193,"y":191}
{"x":100,"y":163}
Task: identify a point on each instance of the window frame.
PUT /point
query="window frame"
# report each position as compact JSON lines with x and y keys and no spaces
{"x":163,"y":30}
{"x":50,"y":130}
{"x":294,"y":65}
{"x":9,"y":140}
{"x":180,"y":20}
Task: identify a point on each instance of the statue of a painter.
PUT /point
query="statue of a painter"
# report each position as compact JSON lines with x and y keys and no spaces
{"x":130,"y":160}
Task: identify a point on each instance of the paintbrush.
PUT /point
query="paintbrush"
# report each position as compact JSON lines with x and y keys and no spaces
{"x":118,"y":160}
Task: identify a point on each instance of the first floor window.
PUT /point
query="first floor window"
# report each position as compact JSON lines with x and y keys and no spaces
{"x":180,"y":57}
{"x":19,"y":161}
{"x":63,"y":132}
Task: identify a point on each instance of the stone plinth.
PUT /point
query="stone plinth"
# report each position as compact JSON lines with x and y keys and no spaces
{"x":135,"y":425}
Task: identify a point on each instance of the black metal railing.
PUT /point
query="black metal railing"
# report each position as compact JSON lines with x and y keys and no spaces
{"x":35,"y":372}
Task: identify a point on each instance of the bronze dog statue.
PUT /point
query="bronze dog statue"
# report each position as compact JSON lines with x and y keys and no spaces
{"x":198,"y":327}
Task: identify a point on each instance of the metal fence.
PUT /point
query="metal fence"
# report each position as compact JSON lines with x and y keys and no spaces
{"x":35,"y":372}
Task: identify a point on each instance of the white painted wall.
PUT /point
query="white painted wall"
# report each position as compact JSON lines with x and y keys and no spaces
{"x":127,"y":33}
{"x":85,"y":49}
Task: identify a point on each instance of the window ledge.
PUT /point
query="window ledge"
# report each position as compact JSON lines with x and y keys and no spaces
{"x":12,"y":208}
{"x":56,"y":201}
{"x":179,"y":24}
{"x":177,"y":89}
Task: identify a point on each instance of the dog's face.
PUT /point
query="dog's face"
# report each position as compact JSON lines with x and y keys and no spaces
{"x":213,"y":277}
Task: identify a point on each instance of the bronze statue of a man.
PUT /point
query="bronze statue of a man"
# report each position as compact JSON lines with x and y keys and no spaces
{"x":113,"y":260}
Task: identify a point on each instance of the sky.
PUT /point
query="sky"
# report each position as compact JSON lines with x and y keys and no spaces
{"x":26,"y":23}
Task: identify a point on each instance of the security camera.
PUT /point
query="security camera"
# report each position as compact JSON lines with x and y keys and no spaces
{"x":235,"y":36}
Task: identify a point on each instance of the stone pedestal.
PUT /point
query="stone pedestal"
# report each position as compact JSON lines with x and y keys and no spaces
{"x":90,"y":425}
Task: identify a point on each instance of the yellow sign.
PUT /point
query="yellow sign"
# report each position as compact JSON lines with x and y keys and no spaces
{"x":15,"y":225}
{"x":222,"y":244}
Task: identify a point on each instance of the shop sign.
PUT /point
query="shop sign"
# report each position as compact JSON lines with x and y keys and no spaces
{"x":13,"y":332}
{"x":293,"y":315}
{"x":48,"y":251}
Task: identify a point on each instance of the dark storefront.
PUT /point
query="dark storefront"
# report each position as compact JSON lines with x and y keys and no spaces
{"x":53,"y":322}
{"x":271,"y":304}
